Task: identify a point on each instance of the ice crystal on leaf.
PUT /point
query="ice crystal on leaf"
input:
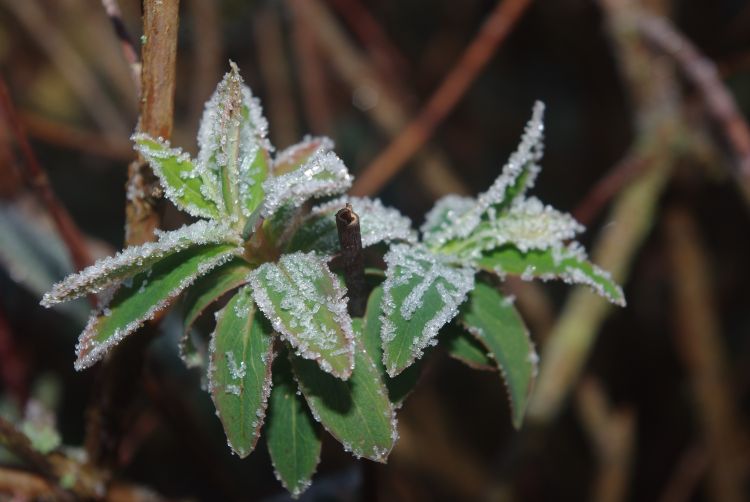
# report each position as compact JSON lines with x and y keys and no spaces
{"x":260,"y":248}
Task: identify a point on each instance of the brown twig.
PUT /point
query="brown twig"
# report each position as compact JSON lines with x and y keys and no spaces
{"x":37,"y":179}
{"x":13,"y":370}
{"x":110,"y":414}
{"x":703,"y":73}
{"x":688,"y":472}
{"x":69,"y":136}
{"x":612,"y":435}
{"x":496,"y":28}
{"x":350,"y":240}
{"x":126,"y":42}
{"x":608,"y":187}
{"x":698,"y":337}
{"x":388,"y":112}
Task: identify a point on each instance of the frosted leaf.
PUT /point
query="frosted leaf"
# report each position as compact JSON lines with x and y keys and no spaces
{"x":528,"y":224}
{"x":148,"y":293}
{"x":517,"y":176}
{"x":239,"y":380}
{"x":306,"y":304}
{"x":293,"y":157}
{"x":323,"y":174}
{"x":233,"y":144}
{"x":442,"y":215}
{"x":109,"y":271}
{"x":567,"y":263}
{"x":191,"y":188}
{"x":421,"y":293}
{"x":377,"y":223}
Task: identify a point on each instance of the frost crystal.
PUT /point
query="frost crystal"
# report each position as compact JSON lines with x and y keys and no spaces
{"x":306,"y":304}
{"x":323,"y":174}
{"x":377,"y":223}
{"x":291,"y":157}
{"x":419,"y":287}
{"x":90,"y":350}
{"x":112,"y":270}
{"x":518,"y":175}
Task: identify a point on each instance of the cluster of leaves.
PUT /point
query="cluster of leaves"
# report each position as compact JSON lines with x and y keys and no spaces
{"x":283,"y":341}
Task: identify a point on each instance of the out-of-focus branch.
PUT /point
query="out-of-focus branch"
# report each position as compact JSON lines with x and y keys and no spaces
{"x":660,"y":129}
{"x":126,"y":42}
{"x":698,"y":337}
{"x":13,"y":367}
{"x":688,"y":472}
{"x":207,"y":56}
{"x":69,"y":136}
{"x":274,"y":68}
{"x":612,"y":434}
{"x":110,"y":414}
{"x":496,"y":28}
{"x":69,"y":63}
{"x":385,"y":109}
{"x":703,"y":73}
{"x":37,"y":179}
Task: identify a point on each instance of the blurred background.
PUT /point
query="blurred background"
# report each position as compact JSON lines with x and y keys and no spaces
{"x":646,"y":144}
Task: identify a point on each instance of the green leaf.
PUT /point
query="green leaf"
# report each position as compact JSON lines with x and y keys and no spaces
{"x":113,"y":270}
{"x":306,"y":304}
{"x":233,"y":145}
{"x":204,"y":292}
{"x":402,"y":385}
{"x":191,"y":189}
{"x":293,"y":437}
{"x":213,"y":286}
{"x":567,"y":263}
{"x":357,"y":412}
{"x":495,"y":322}
{"x":377,"y":224}
{"x":528,"y":224}
{"x":240,"y":370}
{"x":517,"y":176}
{"x":139,"y":299}
{"x":463,"y":347}
{"x":421,"y":294}
{"x":295,"y":156}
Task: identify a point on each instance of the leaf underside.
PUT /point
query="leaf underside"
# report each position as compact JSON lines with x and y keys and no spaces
{"x":240,"y":370}
{"x":357,"y":412}
{"x":292,"y":435}
{"x":496,"y":323}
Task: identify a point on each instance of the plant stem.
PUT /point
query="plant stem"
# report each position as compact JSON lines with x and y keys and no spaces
{"x":350,"y":239}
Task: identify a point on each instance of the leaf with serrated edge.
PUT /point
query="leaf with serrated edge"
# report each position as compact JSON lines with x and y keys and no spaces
{"x":112,"y":270}
{"x":306,"y":304}
{"x":293,"y":157}
{"x":442,"y":215}
{"x":463,"y":347}
{"x":190,"y":188}
{"x":323,"y":174}
{"x":402,"y":384}
{"x":377,"y":223}
{"x":517,"y":176}
{"x":137,"y":301}
{"x":495,"y":322}
{"x":357,"y":412}
{"x":421,"y":294}
{"x":566,"y":263}
{"x":239,"y":372}
{"x":207,"y":290}
{"x":292,"y":435}
{"x":233,"y":144}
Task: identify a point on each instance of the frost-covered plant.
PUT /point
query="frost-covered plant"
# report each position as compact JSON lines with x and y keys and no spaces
{"x":284,"y":341}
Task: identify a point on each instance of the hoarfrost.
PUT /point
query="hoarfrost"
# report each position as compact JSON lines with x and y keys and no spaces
{"x":114,"y":269}
{"x":417,"y":270}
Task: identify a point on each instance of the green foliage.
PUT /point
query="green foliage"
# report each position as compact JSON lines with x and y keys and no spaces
{"x":259,"y":243}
